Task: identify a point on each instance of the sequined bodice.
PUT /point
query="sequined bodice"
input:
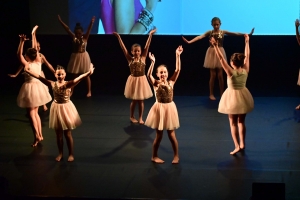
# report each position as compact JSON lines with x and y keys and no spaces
{"x":79,"y":46}
{"x":238,"y":80}
{"x":164,"y":93}
{"x":219,"y":37}
{"x":137,"y":68}
{"x":61,"y":94}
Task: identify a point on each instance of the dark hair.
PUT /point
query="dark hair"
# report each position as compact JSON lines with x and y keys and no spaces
{"x":58,"y":67}
{"x":162,"y":65}
{"x":31,"y":53}
{"x":215,"y":19}
{"x":136,"y":45}
{"x":78,"y":26}
{"x":238,"y":59}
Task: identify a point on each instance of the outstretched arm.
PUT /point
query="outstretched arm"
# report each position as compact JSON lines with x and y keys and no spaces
{"x":74,"y":82}
{"x":66,"y":27}
{"x":150,"y":70}
{"x":174,"y":77}
{"x":20,"y":50}
{"x":199,"y":37}
{"x":87,"y":34}
{"x":17,"y":73}
{"x":297,"y":30}
{"x":126,"y":53}
{"x":146,"y":48}
{"x":237,"y":34}
{"x":247,"y":54}
{"x":226,"y":67}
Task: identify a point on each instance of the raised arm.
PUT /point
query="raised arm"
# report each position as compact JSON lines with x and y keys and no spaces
{"x":45,"y":61}
{"x":174,"y":77}
{"x":199,"y":37}
{"x":68,"y":30}
{"x":237,"y":34}
{"x":74,"y":82}
{"x":35,"y":44}
{"x":146,"y":48}
{"x":226,"y":67}
{"x":20,"y":50}
{"x":247,"y":54}
{"x":126,"y":53}
{"x":297,"y":31}
{"x":87,"y":34}
{"x":150,"y":70}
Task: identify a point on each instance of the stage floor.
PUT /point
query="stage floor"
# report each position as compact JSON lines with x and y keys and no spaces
{"x":112,"y":156}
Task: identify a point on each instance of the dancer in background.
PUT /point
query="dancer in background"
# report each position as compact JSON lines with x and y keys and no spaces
{"x":63,"y":114}
{"x":163,"y":115}
{"x":32,"y":93}
{"x":80,"y":60}
{"x":236,"y":101}
{"x":211,"y":60}
{"x":298,"y":40}
{"x":137,"y":87}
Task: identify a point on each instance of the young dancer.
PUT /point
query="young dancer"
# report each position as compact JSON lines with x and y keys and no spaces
{"x":80,"y":60}
{"x":44,"y":61}
{"x":137,"y":87}
{"x":32,"y":93}
{"x":163,"y":115}
{"x":63,"y":114}
{"x":236,"y":100}
{"x":211,"y":61}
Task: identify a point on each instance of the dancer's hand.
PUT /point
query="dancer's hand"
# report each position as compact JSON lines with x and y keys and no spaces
{"x":34,"y":29}
{"x":152,"y":31}
{"x":179,"y":50}
{"x":213,"y":41}
{"x":116,"y":34}
{"x":185,"y":40}
{"x":151,"y":56}
{"x":23,"y":38}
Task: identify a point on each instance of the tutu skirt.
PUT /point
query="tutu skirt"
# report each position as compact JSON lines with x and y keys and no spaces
{"x":236,"y":101}
{"x":79,"y":63}
{"x":33,"y":93}
{"x":63,"y":116}
{"x":163,"y":116}
{"x":211,"y":59}
{"x":137,"y":88}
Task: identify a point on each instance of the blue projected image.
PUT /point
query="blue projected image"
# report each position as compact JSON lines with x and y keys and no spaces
{"x":193,"y":17}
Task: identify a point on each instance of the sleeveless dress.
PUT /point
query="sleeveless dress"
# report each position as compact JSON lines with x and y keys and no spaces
{"x":211,"y":59}
{"x":107,"y":15}
{"x":63,"y":113}
{"x":163,"y":114}
{"x":33,"y":92}
{"x":80,"y":60}
{"x":236,"y":99}
{"x":137,"y":86}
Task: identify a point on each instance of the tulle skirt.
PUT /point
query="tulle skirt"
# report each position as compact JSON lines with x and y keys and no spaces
{"x":79,"y":63}
{"x":32,"y":94}
{"x":211,"y":59}
{"x":236,"y":101}
{"x":137,"y":88}
{"x":163,"y":116}
{"x":63,"y":116}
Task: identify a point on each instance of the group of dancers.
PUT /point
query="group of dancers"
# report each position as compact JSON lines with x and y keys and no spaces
{"x":236,"y":101}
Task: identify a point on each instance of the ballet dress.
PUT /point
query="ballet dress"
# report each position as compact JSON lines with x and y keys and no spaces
{"x":137,"y":86}
{"x":33,"y":92}
{"x":211,"y":59}
{"x":63,"y":113}
{"x":80,"y":61}
{"x":236,"y":99}
{"x":163,"y":114}
{"x":107,"y":15}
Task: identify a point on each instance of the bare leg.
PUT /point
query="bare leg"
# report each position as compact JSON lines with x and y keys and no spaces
{"x":89,"y":86}
{"x":39,"y":124}
{"x":174,"y":142}
{"x":60,"y":144}
{"x":34,"y":124}
{"x":211,"y":84}
{"x":221,"y":80}
{"x":242,"y":130}
{"x":70,"y":144}
{"x":141,"y":111}
{"x":156,"y":143}
{"x":234,"y":132}
{"x":132,"y":107}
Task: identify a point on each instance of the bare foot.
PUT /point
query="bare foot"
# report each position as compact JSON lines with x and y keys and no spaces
{"x":141,"y":121}
{"x":235,"y":151}
{"x":89,"y":94}
{"x":59,"y":157}
{"x":212,"y":97}
{"x":242,"y":147}
{"x":157,"y":160}
{"x":45,"y":108}
{"x":298,"y":107}
{"x":175,"y":160}
{"x":71,"y":158}
{"x":133,"y":120}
